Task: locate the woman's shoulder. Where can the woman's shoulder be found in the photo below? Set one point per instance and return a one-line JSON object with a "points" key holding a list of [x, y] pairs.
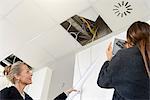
{"points": [[28, 97], [4, 92], [10, 93], [7, 89], [4, 89], [128, 51]]}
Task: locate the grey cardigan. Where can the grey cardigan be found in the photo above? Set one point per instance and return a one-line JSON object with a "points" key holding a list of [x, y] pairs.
{"points": [[126, 73]]}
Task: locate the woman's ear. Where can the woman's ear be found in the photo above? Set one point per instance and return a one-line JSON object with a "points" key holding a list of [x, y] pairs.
{"points": [[17, 77]]}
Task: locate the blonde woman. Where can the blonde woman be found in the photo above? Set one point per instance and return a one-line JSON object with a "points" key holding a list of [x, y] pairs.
{"points": [[20, 75]]}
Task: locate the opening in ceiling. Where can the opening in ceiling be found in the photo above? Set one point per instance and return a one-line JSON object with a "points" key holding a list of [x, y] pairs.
{"points": [[85, 30], [8, 61]]}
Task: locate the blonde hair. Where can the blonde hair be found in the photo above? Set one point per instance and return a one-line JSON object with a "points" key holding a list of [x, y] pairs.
{"points": [[12, 70]]}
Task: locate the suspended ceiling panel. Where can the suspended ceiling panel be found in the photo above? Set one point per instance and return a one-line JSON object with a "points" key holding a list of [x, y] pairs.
{"points": [[147, 3], [30, 18], [3, 53], [89, 13], [0, 17], [38, 22], [92, 1], [34, 55], [7, 5], [57, 42], [60, 10], [112, 11], [11, 37]]}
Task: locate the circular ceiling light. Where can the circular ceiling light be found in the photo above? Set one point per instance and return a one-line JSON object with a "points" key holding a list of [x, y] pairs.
{"points": [[122, 9]]}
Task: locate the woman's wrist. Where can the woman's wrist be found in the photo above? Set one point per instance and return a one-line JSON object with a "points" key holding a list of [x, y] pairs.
{"points": [[66, 93]]}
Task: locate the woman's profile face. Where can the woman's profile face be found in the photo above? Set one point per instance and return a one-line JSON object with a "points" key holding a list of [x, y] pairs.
{"points": [[25, 76]]}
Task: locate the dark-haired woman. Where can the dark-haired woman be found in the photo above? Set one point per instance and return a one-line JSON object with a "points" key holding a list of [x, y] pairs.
{"points": [[128, 72]]}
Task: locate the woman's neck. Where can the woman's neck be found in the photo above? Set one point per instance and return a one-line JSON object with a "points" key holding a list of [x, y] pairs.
{"points": [[20, 88]]}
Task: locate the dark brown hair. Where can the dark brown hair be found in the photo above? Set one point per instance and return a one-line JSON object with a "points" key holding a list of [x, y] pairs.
{"points": [[139, 34]]}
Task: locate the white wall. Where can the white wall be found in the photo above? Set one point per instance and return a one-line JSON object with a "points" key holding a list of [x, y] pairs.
{"points": [[62, 76], [38, 90], [4, 82]]}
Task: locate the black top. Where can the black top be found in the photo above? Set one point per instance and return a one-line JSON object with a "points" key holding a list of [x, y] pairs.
{"points": [[62, 96], [11, 93], [126, 73]]}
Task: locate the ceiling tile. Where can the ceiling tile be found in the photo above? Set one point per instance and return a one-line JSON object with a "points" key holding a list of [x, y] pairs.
{"points": [[4, 53], [93, 1], [1, 17], [11, 37], [89, 13], [147, 3], [58, 42], [105, 9], [61, 10], [34, 55], [30, 18], [7, 5]]}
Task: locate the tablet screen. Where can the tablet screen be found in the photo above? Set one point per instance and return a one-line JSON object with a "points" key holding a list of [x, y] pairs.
{"points": [[117, 45]]}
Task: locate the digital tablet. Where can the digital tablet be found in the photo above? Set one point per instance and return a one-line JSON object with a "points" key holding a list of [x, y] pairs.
{"points": [[117, 45]]}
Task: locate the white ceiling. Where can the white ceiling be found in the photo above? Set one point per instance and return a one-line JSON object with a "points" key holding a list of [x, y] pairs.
{"points": [[31, 28]]}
